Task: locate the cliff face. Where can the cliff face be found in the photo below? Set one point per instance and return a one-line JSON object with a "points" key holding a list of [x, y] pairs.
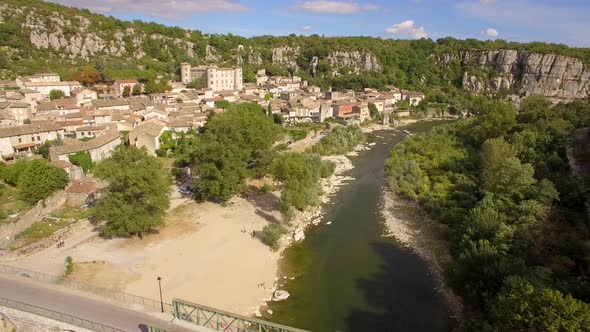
{"points": [[35, 34], [524, 73], [75, 36]]}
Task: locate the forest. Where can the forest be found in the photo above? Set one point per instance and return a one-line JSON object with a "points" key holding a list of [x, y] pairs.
{"points": [[501, 185], [156, 49]]}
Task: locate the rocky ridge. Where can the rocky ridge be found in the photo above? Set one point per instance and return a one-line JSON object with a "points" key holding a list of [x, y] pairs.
{"points": [[523, 73]]}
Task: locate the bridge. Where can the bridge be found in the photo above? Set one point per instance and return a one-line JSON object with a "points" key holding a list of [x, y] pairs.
{"points": [[105, 310]]}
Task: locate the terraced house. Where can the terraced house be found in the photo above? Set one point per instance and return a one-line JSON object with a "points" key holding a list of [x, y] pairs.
{"points": [[20, 140]]}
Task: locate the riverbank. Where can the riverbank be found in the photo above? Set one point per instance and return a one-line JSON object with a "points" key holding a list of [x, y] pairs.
{"points": [[407, 222], [205, 253]]}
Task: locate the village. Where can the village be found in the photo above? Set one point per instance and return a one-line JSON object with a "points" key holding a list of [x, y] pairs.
{"points": [[72, 125], [95, 119]]}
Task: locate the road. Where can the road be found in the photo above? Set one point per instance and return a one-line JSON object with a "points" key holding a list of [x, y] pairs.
{"points": [[54, 298]]}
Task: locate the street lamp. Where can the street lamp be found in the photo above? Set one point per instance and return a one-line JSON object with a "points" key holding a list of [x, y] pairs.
{"points": [[161, 300]]}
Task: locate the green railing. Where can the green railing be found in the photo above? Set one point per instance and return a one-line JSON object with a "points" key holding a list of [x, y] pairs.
{"points": [[224, 321], [58, 316]]}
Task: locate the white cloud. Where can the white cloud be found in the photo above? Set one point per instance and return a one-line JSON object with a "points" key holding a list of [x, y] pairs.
{"points": [[489, 33], [333, 7], [407, 27], [548, 21], [307, 27], [167, 9]]}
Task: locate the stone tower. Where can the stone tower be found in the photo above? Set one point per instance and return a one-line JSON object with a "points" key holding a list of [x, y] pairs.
{"points": [[185, 72], [238, 83]]}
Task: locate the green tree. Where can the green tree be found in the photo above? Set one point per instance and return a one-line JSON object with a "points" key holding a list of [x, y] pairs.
{"points": [[153, 87], [222, 104], [136, 91], [199, 83], [56, 94], [277, 118], [82, 159], [138, 193], [12, 173], [39, 180], [521, 306], [235, 145], [126, 91], [373, 110], [494, 152]]}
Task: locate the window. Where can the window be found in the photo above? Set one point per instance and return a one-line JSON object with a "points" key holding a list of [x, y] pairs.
{"points": [[20, 140], [38, 138], [32, 138], [89, 133]]}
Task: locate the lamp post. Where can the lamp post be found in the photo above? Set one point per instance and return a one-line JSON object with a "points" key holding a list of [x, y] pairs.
{"points": [[161, 300]]}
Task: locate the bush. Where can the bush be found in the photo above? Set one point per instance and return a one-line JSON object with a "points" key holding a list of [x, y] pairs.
{"points": [[40, 180], [297, 134], [56, 94], [266, 188], [69, 265], [327, 168], [82, 159], [271, 235], [12, 173], [339, 141]]}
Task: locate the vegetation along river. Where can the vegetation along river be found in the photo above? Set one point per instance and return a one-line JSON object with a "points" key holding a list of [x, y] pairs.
{"points": [[348, 277]]}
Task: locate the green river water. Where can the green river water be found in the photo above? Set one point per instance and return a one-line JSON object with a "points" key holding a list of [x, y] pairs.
{"points": [[348, 277]]}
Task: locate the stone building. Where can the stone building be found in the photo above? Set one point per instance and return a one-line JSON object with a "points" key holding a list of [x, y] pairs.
{"points": [[218, 79]]}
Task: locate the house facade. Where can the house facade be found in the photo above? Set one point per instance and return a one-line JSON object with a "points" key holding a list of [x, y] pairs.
{"points": [[218, 79], [99, 148], [22, 139]]}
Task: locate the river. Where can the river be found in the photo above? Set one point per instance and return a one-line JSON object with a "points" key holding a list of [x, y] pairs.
{"points": [[348, 277]]}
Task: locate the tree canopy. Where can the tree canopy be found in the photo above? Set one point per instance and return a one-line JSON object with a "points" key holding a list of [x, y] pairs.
{"points": [[138, 193], [38, 180], [515, 211], [234, 145], [56, 94]]}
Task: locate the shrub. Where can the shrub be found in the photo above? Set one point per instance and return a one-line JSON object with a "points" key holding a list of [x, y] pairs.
{"points": [[327, 168], [266, 188], [82, 159], [40, 180], [69, 265], [339, 141], [271, 235]]}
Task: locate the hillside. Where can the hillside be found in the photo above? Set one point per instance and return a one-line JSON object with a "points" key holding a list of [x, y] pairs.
{"points": [[39, 36]]}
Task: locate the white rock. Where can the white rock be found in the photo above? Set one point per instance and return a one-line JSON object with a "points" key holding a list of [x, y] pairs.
{"points": [[280, 295], [298, 235]]}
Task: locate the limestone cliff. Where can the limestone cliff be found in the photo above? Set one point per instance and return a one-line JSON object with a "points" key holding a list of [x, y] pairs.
{"points": [[523, 73], [75, 36]]}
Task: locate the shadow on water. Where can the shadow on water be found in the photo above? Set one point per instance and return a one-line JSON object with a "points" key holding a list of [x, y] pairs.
{"points": [[384, 290]]}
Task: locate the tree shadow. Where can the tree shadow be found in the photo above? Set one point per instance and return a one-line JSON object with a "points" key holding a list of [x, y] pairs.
{"points": [[267, 202], [403, 277], [267, 216]]}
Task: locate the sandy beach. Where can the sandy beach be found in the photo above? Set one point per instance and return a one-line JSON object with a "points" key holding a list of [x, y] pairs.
{"points": [[205, 253]]}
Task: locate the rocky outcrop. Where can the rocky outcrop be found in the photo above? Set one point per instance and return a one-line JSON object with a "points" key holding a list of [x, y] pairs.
{"points": [[524, 73], [76, 36], [285, 56], [354, 61], [211, 54]]}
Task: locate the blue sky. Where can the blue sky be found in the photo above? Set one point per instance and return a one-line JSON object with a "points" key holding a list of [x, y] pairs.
{"points": [[566, 21]]}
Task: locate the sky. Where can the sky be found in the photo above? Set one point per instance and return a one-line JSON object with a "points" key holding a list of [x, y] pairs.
{"points": [[556, 21]]}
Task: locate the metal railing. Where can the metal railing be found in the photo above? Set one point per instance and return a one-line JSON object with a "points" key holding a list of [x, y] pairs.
{"points": [[59, 316], [224, 321], [103, 292]]}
